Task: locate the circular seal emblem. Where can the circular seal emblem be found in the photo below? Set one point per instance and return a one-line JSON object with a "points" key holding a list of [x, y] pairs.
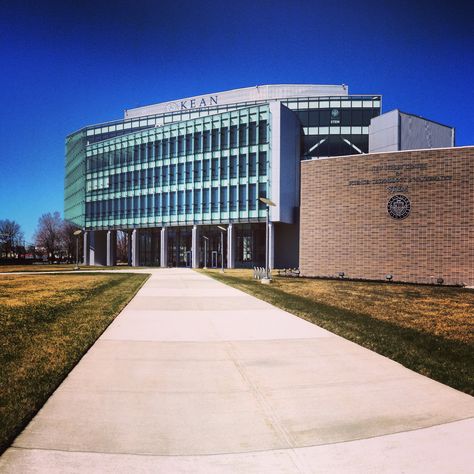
{"points": [[399, 206], [335, 113], [172, 106]]}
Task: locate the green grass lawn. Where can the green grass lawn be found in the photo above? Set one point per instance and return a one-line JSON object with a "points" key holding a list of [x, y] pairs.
{"points": [[429, 329], [47, 322]]}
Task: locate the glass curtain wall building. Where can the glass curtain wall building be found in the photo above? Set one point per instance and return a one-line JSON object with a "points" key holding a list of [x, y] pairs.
{"points": [[171, 173]]}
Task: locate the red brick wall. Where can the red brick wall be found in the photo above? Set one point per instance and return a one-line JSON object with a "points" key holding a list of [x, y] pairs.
{"points": [[345, 225]]}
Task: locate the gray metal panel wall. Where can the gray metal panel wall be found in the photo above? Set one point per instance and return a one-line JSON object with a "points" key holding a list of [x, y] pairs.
{"points": [[384, 132], [417, 133]]}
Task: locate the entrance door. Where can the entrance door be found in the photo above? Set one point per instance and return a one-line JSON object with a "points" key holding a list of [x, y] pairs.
{"points": [[189, 259], [214, 259]]}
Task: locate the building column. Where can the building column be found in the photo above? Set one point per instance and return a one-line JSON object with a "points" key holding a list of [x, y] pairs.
{"points": [[129, 248], [231, 246], [134, 249], [85, 248], [111, 248], [91, 248], [271, 245], [164, 247], [195, 247]]}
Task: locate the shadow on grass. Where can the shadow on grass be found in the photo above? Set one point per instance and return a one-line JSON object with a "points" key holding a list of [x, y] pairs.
{"points": [[447, 361]]}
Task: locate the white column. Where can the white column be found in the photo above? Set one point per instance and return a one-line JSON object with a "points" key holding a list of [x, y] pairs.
{"points": [[231, 246], [134, 239], [85, 248], [195, 247], [271, 248], [91, 249], [111, 247], [164, 247]]}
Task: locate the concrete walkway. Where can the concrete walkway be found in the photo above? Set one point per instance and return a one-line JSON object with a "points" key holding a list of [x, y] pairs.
{"points": [[194, 376]]}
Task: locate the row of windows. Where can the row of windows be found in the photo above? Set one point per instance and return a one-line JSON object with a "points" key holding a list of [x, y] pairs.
{"points": [[191, 143], [224, 199], [342, 117], [190, 172]]}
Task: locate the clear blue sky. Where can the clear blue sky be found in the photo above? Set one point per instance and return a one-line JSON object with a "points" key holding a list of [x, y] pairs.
{"points": [[69, 64]]}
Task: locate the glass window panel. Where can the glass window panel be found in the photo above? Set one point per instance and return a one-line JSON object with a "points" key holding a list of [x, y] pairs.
{"points": [[262, 163], [242, 166], [242, 197], [233, 166], [233, 198], [224, 203], [224, 173], [252, 197], [252, 164]]}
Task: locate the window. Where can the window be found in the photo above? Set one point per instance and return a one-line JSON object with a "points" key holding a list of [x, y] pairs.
{"points": [[253, 133], [172, 169], [189, 201], [157, 176], [180, 202], [215, 139], [262, 132], [233, 198], [197, 142], [157, 150], [157, 204], [164, 148], [173, 146], [205, 200], [224, 138], [262, 192], [215, 168], [180, 173], [242, 166], [197, 200], [189, 144], [242, 197], [164, 204], [252, 197], [242, 134], [233, 136], [205, 170], [215, 199], [165, 175], [253, 164], [150, 177], [233, 166], [189, 172], [223, 199], [207, 140], [136, 206], [224, 167], [197, 170], [262, 163], [172, 203]]}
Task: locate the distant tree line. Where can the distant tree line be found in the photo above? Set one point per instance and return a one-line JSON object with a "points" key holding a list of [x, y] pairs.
{"points": [[54, 240]]}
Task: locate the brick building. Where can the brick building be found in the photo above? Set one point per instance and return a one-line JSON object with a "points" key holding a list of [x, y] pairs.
{"points": [[404, 214]]}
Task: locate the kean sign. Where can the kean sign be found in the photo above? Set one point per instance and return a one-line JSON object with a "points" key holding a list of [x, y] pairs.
{"points": [[189, 104]]}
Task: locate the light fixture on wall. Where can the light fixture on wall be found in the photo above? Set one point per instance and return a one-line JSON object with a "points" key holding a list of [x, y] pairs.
{"points": [[389, 277], [440, 281]]}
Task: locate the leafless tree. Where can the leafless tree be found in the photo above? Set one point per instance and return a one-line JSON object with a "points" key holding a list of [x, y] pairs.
{"points": [[122, 244], [11, 237], [48, 233], [68, 240]]}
